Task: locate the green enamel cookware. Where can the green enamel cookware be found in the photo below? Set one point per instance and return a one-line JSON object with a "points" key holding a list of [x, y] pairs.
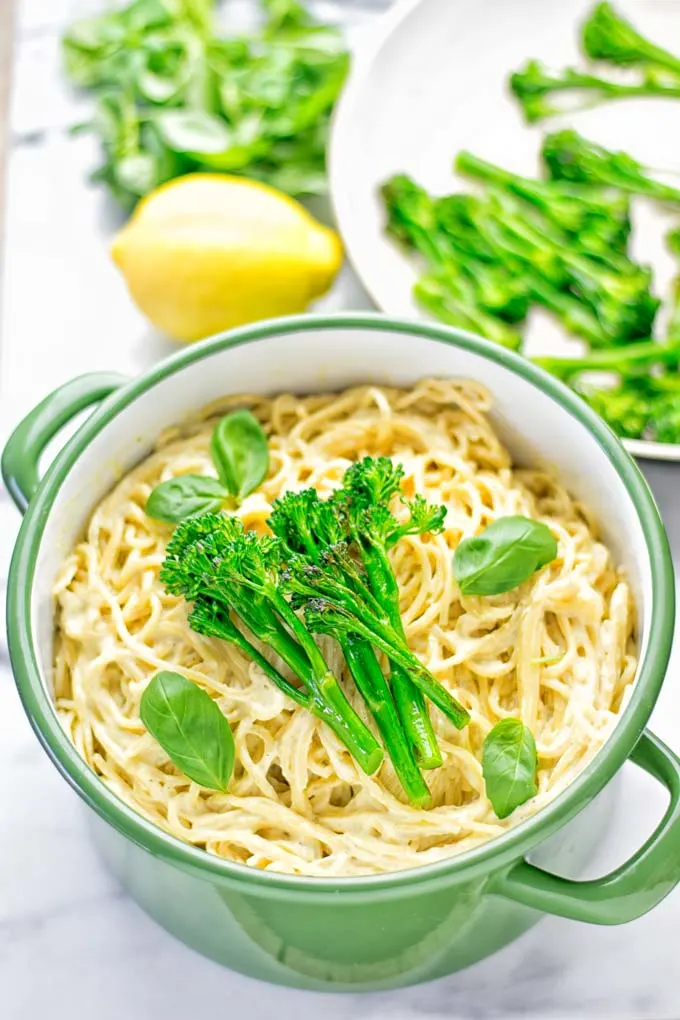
{"points": [[376, 931]]}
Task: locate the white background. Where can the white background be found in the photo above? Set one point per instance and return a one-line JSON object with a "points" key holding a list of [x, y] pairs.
{"points": [[73, 946]]}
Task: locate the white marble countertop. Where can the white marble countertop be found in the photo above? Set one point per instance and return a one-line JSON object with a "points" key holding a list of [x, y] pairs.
{"points": [[72, 944]]}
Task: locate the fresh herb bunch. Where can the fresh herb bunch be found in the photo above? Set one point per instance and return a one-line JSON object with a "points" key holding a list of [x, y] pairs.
{"points": [[605, 37], [173, 96]]}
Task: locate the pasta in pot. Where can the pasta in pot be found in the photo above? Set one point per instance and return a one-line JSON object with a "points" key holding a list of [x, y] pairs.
{"points": [[558, 652]]}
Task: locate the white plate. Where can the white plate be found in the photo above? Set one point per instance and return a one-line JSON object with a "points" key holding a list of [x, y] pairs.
{"points": [[431, 80]]}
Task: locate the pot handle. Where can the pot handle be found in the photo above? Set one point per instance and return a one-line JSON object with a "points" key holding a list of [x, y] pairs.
{"points": [[24, 448], [631, 889]]}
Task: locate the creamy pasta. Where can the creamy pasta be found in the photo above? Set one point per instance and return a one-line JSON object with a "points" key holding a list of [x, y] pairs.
{"points": [[558, 652]]}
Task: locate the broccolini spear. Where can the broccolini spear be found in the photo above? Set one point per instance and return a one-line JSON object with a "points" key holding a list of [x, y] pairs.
{"points": [[368, 488], [336, 601], [606, 35], [640, 405], [625, 361], [644, 408], [570, 157], [475, 226], [598, 218], [214, 563], [618, 303], [616, 289], [453, 302], [309, 527], [534, 83], [459, 289], [413, 220]]}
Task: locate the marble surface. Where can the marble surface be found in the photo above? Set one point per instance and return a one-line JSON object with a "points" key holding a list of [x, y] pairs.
{"points": [[72, 944]]}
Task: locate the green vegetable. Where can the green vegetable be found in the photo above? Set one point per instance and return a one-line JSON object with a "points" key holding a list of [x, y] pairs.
{"points": [[337, 594], [172, 97], [334, 608], [570, 157], [614, 289], [489, 257], [509, 766], [461, 288], [185, 496], [603, 299], [503, 556], [486, 259], [626, 361], [240, 453], [190, 728], [225, 570], [453, 302], [598, 219], [308, 527], [640, 408], [606, 35], [534, 83], [644, 400], [369, 487]]}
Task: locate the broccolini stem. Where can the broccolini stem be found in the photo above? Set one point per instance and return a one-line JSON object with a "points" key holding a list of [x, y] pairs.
{"points": [[226, 630], [328, 694], [575, 317], [375, 691], [618, 359], [409, 700], [415, 718], [392, 644], [266, 626], [473, 166]]}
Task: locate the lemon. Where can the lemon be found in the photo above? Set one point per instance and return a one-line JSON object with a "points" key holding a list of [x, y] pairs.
{"points": [[207, 252]]}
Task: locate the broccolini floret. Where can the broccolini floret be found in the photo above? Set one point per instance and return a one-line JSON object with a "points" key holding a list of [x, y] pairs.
{"points": [[570, 157], [608, 36]]}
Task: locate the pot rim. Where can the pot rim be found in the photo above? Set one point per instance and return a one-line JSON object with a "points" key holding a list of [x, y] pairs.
{"points": [[496, 852]]}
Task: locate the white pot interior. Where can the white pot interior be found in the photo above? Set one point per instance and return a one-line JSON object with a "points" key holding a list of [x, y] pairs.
{"points": [[536, 428]]}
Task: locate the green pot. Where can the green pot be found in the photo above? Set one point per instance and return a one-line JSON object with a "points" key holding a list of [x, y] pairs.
{"points": [[371, 932]]}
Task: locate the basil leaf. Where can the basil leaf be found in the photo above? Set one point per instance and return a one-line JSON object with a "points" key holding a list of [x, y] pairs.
{"points": [[240, 453], [138, 173], [509, 764], [158, 88], [505, 554], [190, 728], [185, 496], [193, 131]]}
